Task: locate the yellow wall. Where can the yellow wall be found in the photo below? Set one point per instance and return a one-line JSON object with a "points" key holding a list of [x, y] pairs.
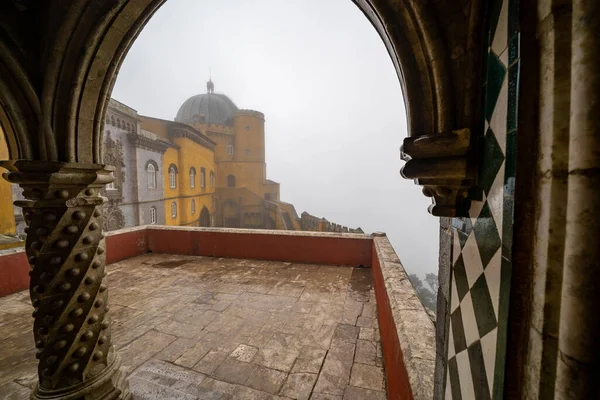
{"points": [[192, 154], [248, 175], [249, 127], [171, 156], [7, 218], [188, 154]]}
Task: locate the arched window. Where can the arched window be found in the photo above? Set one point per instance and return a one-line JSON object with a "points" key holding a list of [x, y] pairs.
{"points": [[193, 206], [192, 177], [172, 176], [152, 215], [173, 210], [151, 172], [111, 185], [230, 181], [202, 178], [212, 179]]}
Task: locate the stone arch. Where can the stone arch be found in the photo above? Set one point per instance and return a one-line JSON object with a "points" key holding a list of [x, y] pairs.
{"points": [[90, 41], [204, 217]]}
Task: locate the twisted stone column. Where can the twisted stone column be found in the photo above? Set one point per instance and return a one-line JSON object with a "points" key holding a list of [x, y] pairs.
{"points": [[66, 250]]}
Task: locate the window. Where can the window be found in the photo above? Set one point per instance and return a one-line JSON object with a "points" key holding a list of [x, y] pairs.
{"points": [[212, 179], [230, 149], [152, 215], [111, 186], [192, 177], [118, 123], [193, 206], [172, 177], [173, 210], [151, 171], [202, 178], [230, 181]]}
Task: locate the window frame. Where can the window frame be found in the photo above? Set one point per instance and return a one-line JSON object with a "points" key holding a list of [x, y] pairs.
{"points": [[173, 210], [193, 206], [212, 179], [172, 177], [112, 185], [153, 215], [151, 171], [192, 177], [230, 149], [202, 178]]}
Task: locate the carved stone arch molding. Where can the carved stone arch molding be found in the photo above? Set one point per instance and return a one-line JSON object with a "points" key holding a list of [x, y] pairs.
{"points": [[53, 100]]}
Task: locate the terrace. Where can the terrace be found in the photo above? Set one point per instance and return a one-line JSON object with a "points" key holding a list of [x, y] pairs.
{"points": [[219, 313]]}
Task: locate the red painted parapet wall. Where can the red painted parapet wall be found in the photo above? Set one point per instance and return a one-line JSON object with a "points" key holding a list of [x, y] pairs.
{"points": [[407, 332], [14, 272], [405, 376], [302, 247]]}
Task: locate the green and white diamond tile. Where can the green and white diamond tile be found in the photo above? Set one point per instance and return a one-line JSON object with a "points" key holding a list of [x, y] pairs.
{"points": [[480, 282]]}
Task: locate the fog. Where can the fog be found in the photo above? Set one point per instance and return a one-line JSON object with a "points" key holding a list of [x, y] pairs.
{"points": [[334, 110]]}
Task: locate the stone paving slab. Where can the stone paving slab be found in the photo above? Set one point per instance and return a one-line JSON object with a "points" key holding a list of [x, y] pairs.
{"points": [[192, 328]]}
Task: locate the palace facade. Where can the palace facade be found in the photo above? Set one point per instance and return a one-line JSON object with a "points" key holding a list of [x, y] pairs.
{"points": [[206, 168]]}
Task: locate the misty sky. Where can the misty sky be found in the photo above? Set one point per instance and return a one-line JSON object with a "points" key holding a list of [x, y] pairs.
{"points": [[333, 105]]}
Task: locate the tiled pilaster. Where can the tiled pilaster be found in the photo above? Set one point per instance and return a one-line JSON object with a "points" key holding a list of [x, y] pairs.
{"points": [[480, 283]]}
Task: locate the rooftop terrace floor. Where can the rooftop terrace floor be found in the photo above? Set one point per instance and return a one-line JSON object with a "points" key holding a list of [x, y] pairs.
{"points": [[190, 327]]}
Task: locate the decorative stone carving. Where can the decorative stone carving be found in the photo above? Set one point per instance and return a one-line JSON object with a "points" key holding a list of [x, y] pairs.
{"points": [[441, 164], [66, 249]]}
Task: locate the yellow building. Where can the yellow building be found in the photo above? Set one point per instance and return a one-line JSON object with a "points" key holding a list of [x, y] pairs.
{"points": [[7, 220], [8, 238], [206, 168], [189, 172]]}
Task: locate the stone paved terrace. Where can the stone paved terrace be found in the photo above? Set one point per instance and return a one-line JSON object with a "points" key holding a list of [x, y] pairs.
{"points": [[191, 327]]}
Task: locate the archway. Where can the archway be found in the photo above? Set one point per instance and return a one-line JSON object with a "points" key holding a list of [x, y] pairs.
{"points": [[204, 217], [54, 118], [231, 181]]}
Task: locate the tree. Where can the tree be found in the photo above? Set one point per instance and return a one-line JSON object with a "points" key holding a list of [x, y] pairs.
{"points": [[427, 296], [432, 281]]}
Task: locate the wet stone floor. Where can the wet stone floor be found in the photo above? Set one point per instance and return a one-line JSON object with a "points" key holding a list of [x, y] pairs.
{"points": [[212, 328]]}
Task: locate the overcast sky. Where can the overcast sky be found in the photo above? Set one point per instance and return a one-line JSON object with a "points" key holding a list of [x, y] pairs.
{"points": [[333, 105]]}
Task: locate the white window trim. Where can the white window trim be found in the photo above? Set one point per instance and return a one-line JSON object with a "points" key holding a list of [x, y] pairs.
{"points": [[152, 215], [151, 174], [172, 178], [173, 210], [193, 206], [192, 178], [230, 149], [111, 186]]}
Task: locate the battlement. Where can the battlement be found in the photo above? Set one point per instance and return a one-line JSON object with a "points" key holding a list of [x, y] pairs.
{"points": [[251, 113]]}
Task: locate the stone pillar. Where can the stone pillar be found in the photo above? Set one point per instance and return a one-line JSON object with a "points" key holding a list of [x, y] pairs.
{"points": [[578, 369], [66, 250]]}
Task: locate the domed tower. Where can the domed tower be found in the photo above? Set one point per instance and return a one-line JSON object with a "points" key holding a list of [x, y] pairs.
{"points": [[207, 108]]}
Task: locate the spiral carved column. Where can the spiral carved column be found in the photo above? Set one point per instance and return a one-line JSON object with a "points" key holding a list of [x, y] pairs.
{"points": [[66, 250]]}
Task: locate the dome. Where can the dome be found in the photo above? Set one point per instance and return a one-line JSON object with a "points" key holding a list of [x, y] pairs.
{"points": [[214, 107]]}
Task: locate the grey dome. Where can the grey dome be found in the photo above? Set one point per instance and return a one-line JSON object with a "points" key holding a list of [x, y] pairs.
{"points": [[216, 108]]}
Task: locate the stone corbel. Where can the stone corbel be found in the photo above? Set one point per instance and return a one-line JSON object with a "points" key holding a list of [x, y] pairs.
{"points": [[441, 164]]}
